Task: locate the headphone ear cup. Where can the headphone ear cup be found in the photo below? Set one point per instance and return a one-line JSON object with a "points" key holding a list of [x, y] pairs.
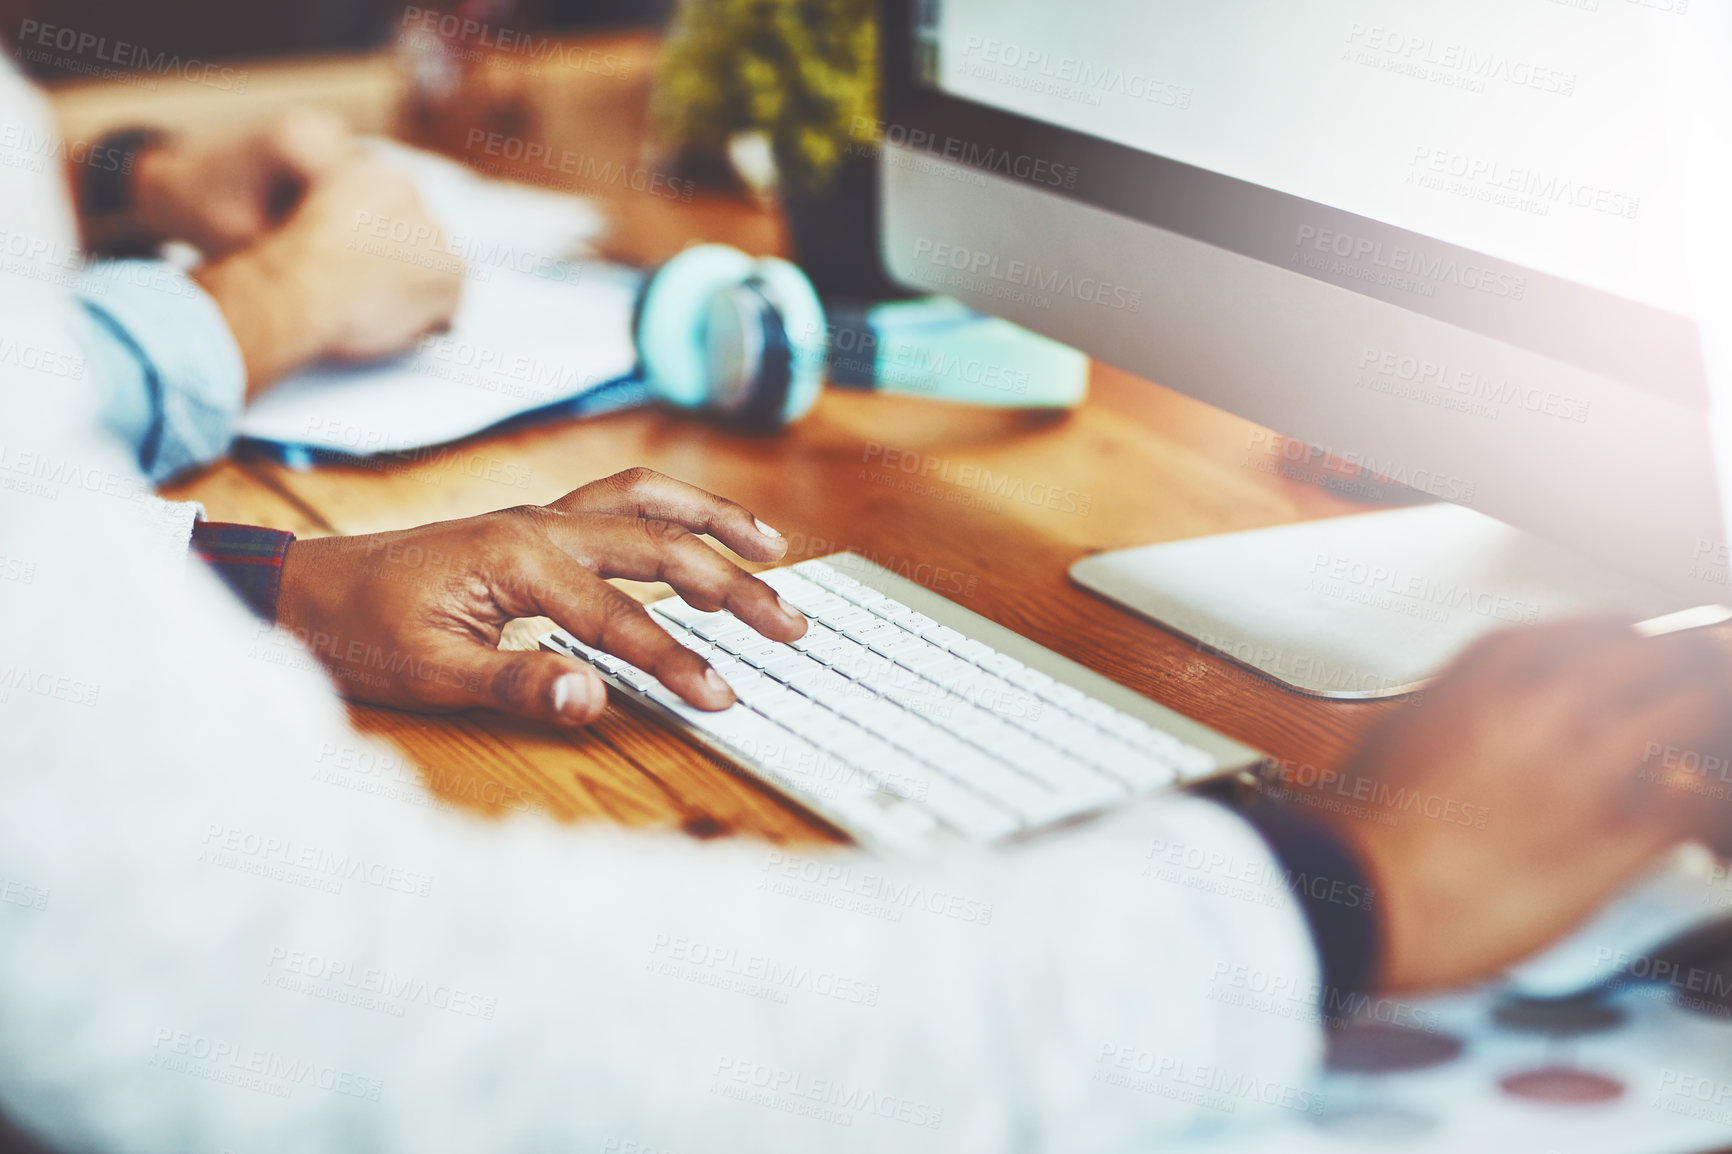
{"points": [[671, 320], [804, 326]]}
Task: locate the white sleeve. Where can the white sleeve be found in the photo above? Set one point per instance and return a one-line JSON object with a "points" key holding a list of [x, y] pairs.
{"points": [[218, 934], [219, 931]]}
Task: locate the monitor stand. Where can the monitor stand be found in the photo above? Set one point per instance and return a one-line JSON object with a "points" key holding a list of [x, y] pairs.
{"points": [[1373, 604]]}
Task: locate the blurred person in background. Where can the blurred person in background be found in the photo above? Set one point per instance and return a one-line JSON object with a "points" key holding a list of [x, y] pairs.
{"points": [[281, 284], [271, 211], [195, 889]]}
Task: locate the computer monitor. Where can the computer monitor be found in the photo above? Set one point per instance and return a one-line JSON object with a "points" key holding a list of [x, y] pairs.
{"points": [[1435, 239]]}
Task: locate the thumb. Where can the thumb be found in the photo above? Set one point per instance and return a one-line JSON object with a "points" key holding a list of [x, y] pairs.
{"points": [[539, 685]]}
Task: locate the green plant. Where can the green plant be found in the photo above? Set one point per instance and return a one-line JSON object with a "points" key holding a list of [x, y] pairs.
{"points": [[803, 72]]}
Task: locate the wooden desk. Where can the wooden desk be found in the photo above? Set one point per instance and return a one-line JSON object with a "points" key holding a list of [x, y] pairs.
{"points": [[1136, 464]]}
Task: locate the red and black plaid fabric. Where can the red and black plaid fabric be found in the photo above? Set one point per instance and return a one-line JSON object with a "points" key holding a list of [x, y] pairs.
{"points": [[248, 559]]}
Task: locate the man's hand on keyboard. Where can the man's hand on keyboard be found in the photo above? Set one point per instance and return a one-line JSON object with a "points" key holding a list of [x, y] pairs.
{"points": [[412, 619], [1529, 786]]}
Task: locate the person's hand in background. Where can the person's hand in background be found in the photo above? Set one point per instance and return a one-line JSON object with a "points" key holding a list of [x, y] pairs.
{"points": [[222, 193], [1537, 748], [357, 271], [412, 619]]}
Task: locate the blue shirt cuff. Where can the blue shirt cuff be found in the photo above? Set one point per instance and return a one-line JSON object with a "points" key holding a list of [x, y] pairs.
{"points": [[174, 378]]}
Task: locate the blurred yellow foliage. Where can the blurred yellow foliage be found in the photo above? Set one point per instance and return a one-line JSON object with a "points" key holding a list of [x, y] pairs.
{"points": [[804, 72]]}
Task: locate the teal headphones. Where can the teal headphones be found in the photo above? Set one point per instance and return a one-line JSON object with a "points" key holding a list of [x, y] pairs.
{"points": [[738, 336], [746, 339]]}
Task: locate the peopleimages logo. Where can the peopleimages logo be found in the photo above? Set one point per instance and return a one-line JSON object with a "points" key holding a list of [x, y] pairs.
{"points": [[1461, 65], [1020, 165], [1067, 77], [1404, 262], [87, 53], [986, 267]]}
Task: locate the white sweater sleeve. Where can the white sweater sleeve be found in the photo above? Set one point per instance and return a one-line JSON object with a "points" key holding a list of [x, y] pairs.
{"points": [[211, 939]]}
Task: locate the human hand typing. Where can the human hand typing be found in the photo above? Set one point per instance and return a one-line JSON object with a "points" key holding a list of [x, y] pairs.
{"points": [[1547, 734], [412, 619]]}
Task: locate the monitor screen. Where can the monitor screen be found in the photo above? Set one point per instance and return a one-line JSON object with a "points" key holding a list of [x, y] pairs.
{"points": [[1530, 132], [1440, 238]]}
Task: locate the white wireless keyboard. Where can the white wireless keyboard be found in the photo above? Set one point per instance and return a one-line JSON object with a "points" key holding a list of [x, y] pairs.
{"points": [[905, 720]]}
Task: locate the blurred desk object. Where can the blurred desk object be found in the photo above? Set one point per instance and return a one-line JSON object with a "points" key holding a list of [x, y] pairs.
{"points": [[989, 508]]}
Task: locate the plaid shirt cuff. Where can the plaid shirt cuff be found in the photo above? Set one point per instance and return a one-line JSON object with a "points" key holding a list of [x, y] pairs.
{"points": [[248, 559]]}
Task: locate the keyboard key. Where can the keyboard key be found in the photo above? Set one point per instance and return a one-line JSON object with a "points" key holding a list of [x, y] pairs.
{"points": [[1073, 733], [1003, 787], [572, 645], [846, 619], [896, 823], [788, 660], [727, 664], [968, 813], [942, 635], [999, 663], [816, 637], [737, 643], [830, 578], [1099, 712], [1029, 679], [747, 682], [785, 581], [863, 596], [1068, 776], [874, 630], [761, 653], [873, 714], [843, 648], [1125, 726], [819, 603], [897, 643], [1060, 807], [971, 649], [1062, 695], [676, 609], [724, 628], [1137, 768], [814, 570], [1164, 743], [924, 659], [772, 698]]}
